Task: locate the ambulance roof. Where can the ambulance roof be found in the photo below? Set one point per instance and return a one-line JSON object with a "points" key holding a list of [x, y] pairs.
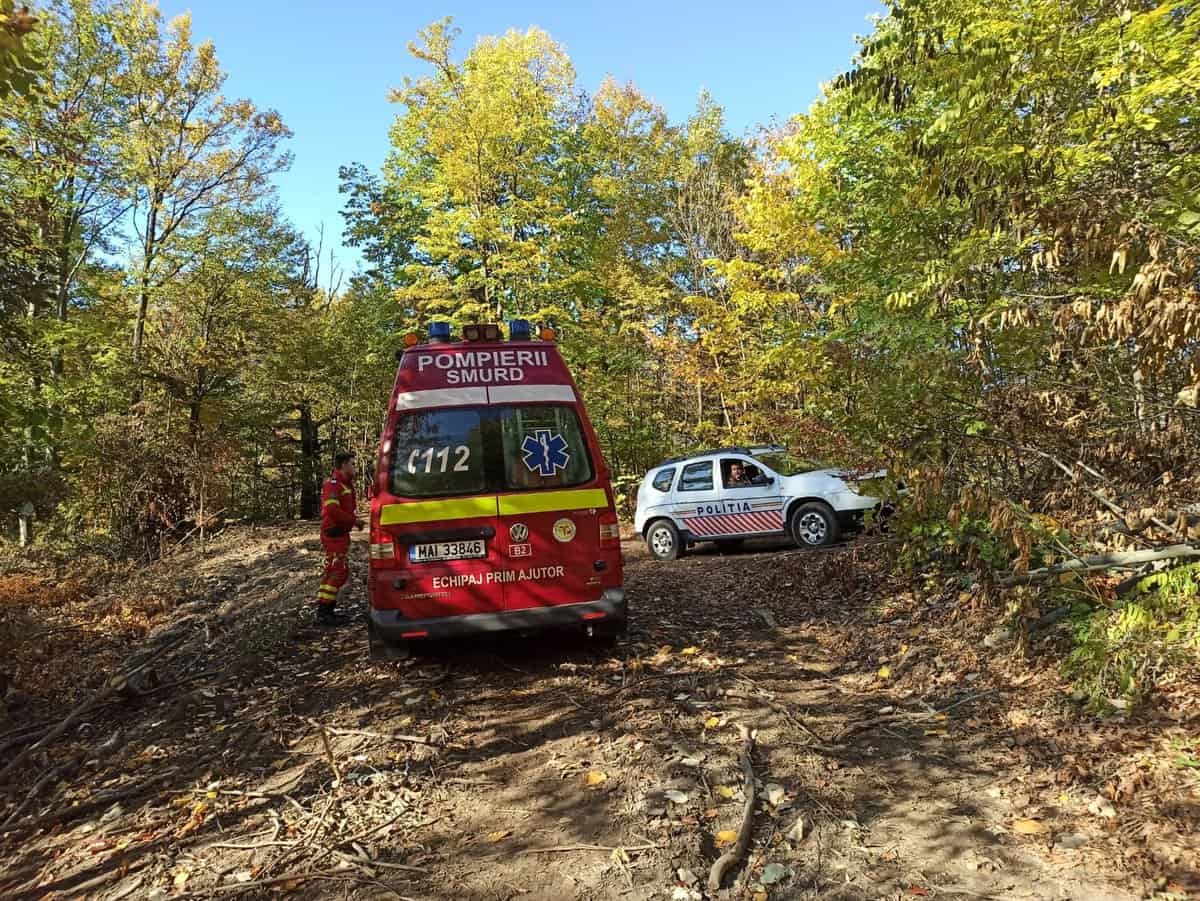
{"points": [[479, 373]]}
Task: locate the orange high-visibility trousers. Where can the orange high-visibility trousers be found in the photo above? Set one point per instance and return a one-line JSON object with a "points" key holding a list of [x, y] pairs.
{"points": [[337, 572]]}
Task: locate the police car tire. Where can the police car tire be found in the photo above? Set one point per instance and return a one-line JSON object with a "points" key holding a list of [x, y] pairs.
{"points": [[805, 529], [669, 545]]}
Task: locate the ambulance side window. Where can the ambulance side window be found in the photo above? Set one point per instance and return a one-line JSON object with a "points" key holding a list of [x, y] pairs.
{"points": [[663, 479], [438, 452], [544, 447], [697, 477]]}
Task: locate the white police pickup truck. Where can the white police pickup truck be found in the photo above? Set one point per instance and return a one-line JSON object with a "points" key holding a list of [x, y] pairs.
{"points": [[735, 493]]}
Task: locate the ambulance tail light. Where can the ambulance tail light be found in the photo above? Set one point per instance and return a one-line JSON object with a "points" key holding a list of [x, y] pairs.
{"points": [[610, 529], [383, 549], [489, 332]]}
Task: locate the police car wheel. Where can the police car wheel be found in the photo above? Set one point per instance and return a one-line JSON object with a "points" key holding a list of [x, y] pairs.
{"points": [[814, 525], [662, 539]]}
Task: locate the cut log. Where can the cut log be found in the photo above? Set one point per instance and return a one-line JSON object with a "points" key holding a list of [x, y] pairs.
{"points": [[1100, 562]]}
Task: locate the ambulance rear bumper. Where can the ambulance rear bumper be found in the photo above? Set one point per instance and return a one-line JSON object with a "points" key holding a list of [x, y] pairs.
{"points": [[606, 613]]}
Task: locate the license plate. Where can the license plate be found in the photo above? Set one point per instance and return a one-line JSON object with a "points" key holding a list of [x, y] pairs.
{"points": [[446, 550]]}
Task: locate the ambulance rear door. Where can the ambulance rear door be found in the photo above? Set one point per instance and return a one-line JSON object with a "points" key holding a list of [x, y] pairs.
{"points": [[443, 516], [550, 508]]}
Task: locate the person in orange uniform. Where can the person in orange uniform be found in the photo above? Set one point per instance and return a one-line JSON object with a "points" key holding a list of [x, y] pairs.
{"points": [[339, 514]]}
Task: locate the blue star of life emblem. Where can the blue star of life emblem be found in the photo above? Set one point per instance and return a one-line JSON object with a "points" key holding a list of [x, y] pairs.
{"points": [[545, 453]]}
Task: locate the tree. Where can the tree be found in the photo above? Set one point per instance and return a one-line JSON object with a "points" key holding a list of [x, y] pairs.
{"points": [[62, 177], [188, 149], [479, 148]]}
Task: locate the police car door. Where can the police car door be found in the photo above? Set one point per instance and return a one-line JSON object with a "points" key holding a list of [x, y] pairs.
{"points": [[697, 501], [753, 506]]}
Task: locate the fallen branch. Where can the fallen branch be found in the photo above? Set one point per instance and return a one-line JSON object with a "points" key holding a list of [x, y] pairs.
{"points": [[793, 720], [363, 860], [388, 736], [111, 687], [561, 849], [1071, 474], [1100, 562], [98, 802], [274, 880], [23, 737], [324, 730], [358, 836], [915, 716], [734, 855], [33, 793]]}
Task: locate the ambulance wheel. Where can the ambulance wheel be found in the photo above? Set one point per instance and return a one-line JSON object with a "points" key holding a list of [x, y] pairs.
{"points": [[611, 634], [662, 539], [385, 650], [813, 525]]}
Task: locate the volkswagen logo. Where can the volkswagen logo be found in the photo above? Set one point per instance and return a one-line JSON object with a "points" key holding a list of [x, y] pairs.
{"points": [[518, 533]]}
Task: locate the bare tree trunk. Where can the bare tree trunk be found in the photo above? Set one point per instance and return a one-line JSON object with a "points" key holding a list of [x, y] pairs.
{"points": [[149, 249], [310, 453]]}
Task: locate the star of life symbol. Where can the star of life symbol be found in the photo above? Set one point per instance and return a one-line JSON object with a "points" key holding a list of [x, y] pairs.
{"points": [[545, 453]]}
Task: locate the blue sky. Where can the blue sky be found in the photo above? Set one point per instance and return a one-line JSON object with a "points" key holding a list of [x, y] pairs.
{"points": [[327, 67]]}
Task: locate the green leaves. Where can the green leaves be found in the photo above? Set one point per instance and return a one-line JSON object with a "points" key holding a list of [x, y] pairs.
{"points": [[19, 65]]}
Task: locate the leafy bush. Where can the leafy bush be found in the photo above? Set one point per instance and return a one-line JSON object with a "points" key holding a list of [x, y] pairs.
{"points": [[1124, 652]]}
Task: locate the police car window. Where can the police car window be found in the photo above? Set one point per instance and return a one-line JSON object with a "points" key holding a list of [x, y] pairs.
{"points": [[438, 452], [663, 479], [697, 477], [740, 474], [544, 447]]}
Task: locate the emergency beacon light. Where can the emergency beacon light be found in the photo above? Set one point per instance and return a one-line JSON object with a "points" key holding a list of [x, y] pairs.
{"points": [[519, 330], [489, 332], [439, 332]]}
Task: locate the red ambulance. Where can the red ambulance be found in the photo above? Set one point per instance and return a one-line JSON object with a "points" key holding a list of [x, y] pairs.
{"points": [[492, 508]]}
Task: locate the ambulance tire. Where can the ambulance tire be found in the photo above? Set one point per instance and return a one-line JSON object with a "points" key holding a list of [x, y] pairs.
{"points": [[813, 525], [662, 540], [385, 650], [610, 634]]}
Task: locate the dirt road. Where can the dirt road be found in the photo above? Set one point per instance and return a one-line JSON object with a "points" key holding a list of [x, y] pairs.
{"points": [[897, 755]]}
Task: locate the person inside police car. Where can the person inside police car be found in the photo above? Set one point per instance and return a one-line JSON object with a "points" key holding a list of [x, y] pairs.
{"points": [[737, 477], [743, 476]]}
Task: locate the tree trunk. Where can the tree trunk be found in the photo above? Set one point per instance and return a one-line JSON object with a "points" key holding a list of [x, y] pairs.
{"points": [[139, 324], [148, 253], [310, 461]]}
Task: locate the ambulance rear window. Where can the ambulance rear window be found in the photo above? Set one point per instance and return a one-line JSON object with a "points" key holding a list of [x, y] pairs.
{"points": [[479, 450], [544, 447], [439, 452]]}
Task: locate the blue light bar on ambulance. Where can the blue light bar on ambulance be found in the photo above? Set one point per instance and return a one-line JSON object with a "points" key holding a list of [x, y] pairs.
{"points": [[519, 330], [439, 332]]}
